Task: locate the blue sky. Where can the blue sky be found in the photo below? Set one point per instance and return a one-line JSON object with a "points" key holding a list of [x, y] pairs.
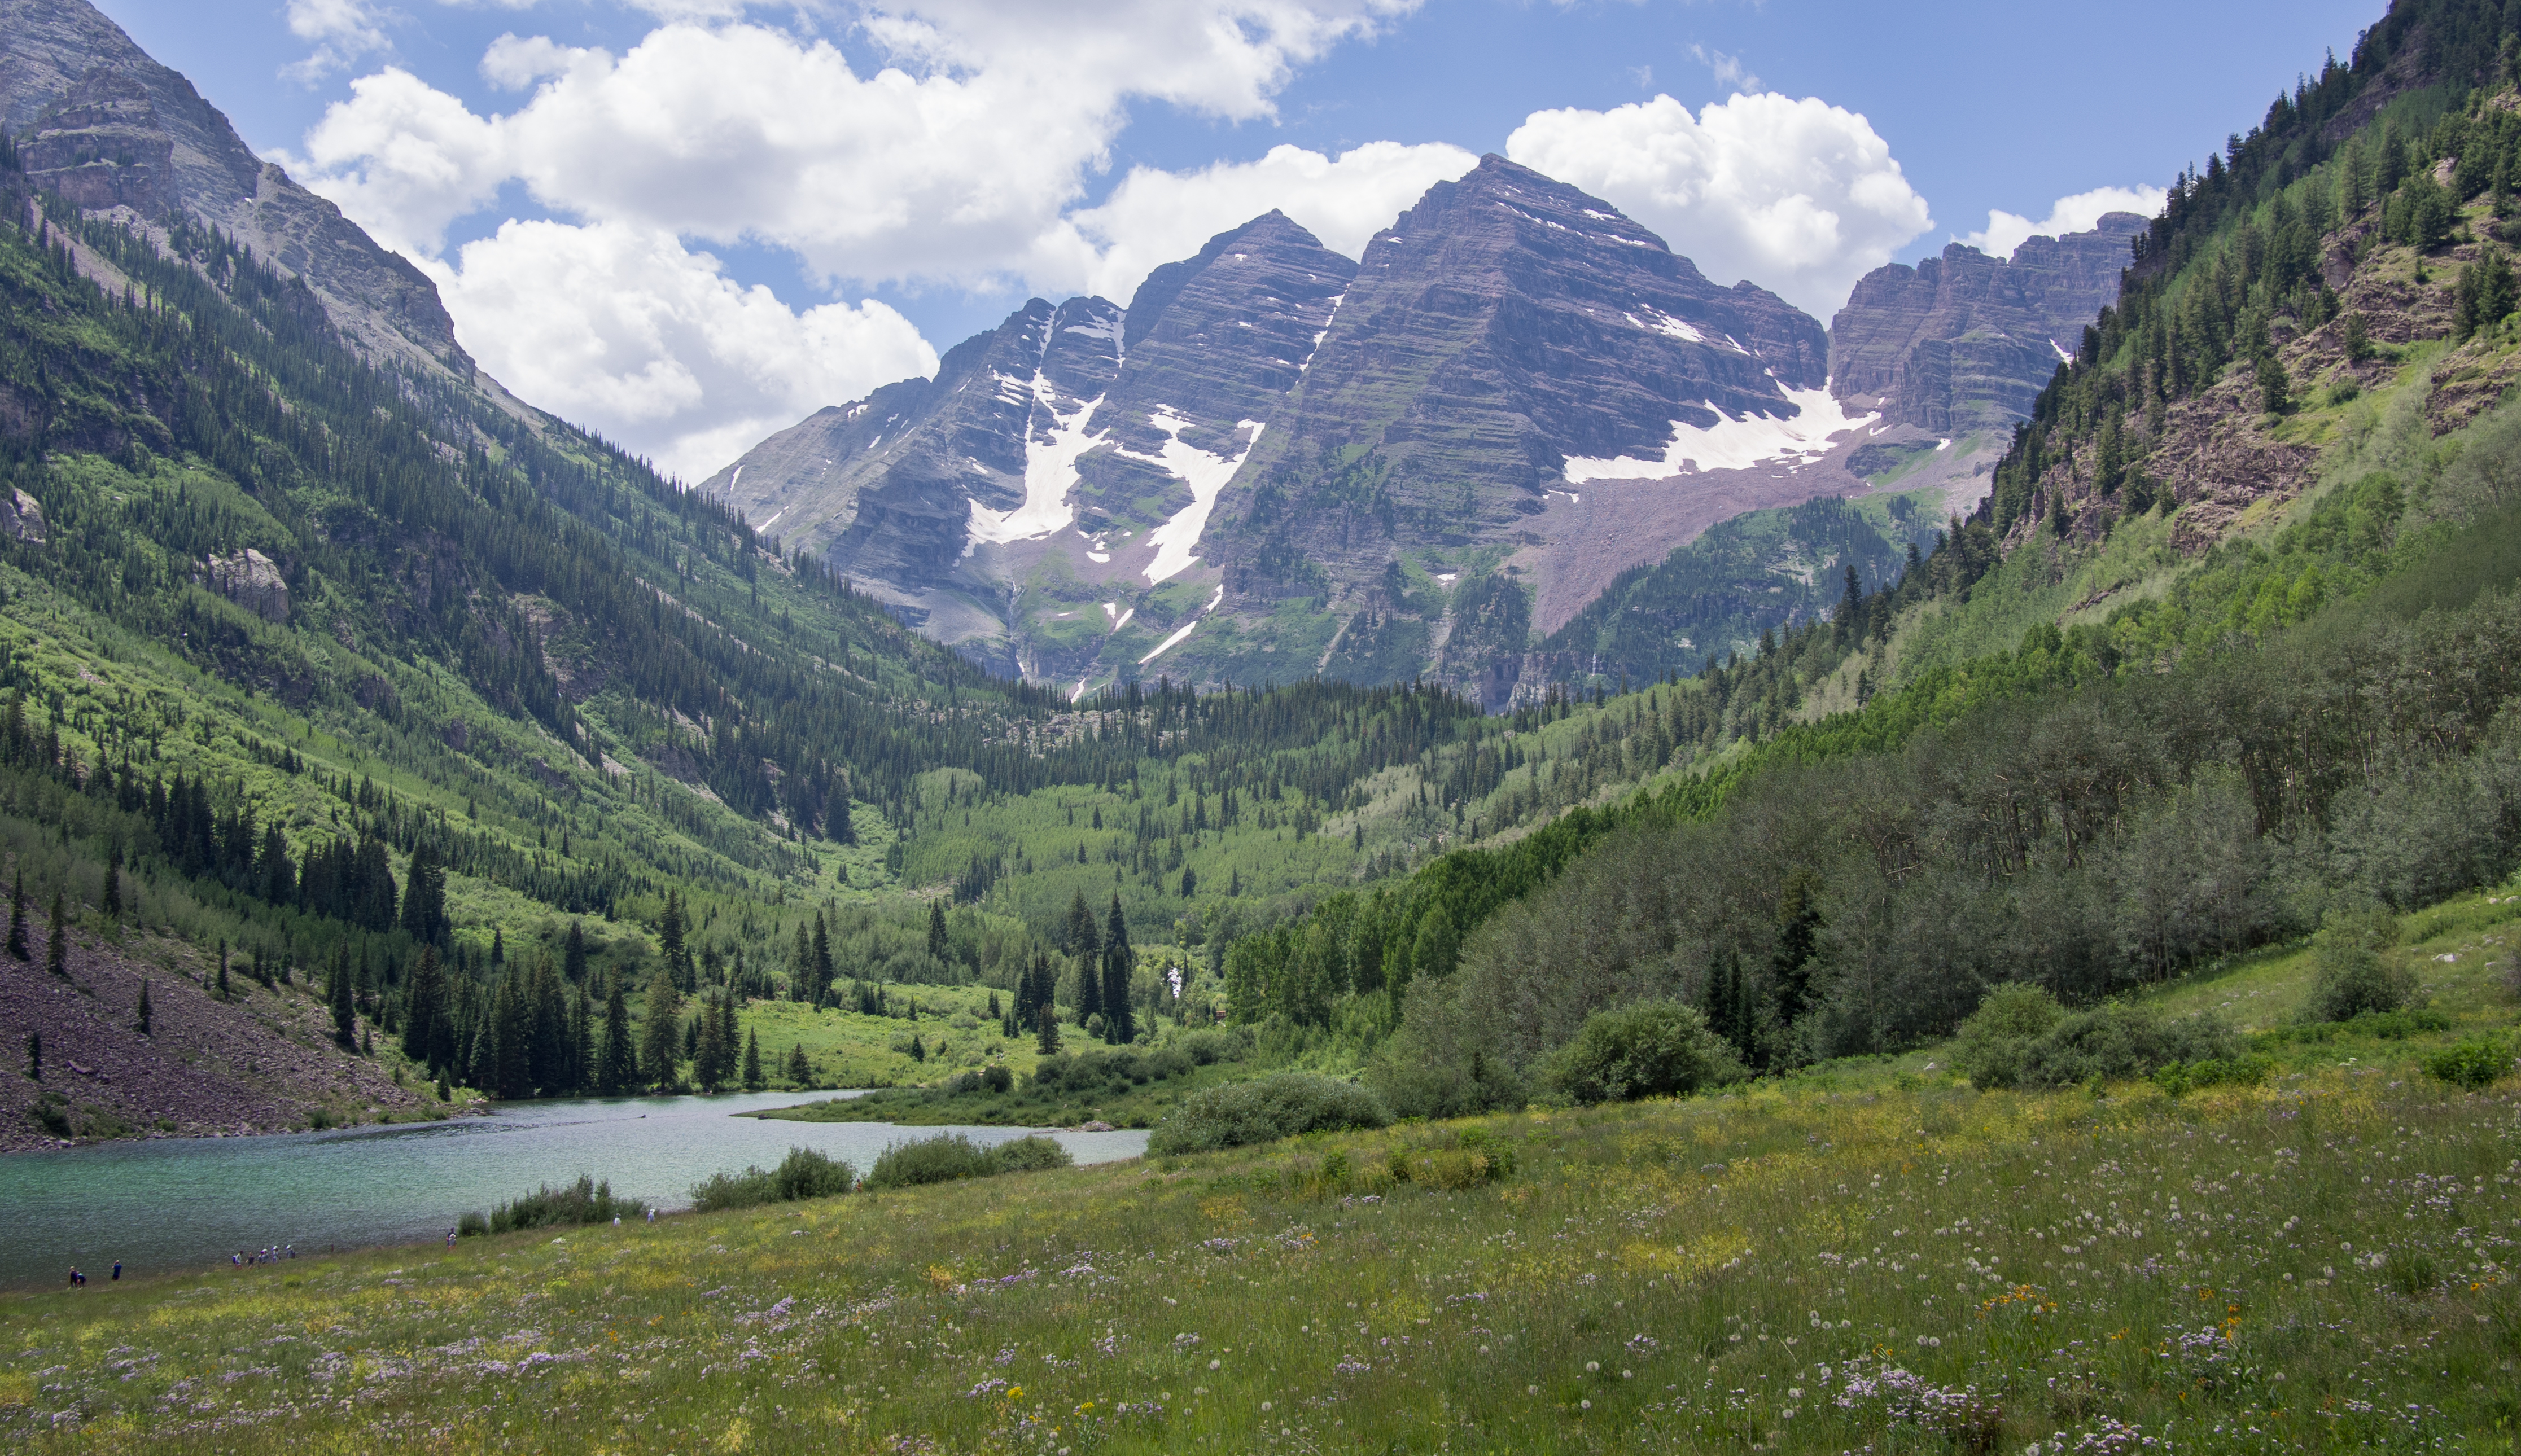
{"points": [[688, 236]]}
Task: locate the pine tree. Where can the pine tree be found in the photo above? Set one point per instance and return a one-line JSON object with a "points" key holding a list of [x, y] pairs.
{"points": [[710, 1054], [113, 885], [753, 1081], [57, 947], [581, 1041], [345, 1015], [616, 1068], [512, 1023], [670, 942], [424, 1005], [18, 916], [498, 948], [1046, 1034], [918, 1049], [661, 1032], [1118, 964], [823, 960], [801, 971], [799, 1070], [142, 1008], [573, 955], [937, 930]]}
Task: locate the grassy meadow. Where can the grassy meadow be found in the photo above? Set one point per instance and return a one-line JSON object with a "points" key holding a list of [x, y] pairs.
{"points": [[1867, 1255]]}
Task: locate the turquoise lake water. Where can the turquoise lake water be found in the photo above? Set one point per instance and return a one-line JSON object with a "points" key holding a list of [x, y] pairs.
{"points": [[174, 1204]]}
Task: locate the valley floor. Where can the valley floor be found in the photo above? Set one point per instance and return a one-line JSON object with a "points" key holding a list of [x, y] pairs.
{"points": [[1872, 1256]]}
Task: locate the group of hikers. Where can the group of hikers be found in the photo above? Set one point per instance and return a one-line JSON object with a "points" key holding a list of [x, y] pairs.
{"points": [[79, 1279], [271, 1254]]}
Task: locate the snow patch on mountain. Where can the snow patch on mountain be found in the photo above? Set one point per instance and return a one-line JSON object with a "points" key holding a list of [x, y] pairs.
{"points": [[1734, 444], [1178, 539], [1050, 475]]}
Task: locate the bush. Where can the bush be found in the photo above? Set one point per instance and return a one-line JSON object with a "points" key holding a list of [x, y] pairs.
{"points": [[582, 1201], [1998, 1036], [803, 1174], [2474, 1064], [2020, 1037], [942, 1159], [2182, 1077], [1029, 1154], [1209, 1047], [2351, 976], [1651, 1049], [1454, 1161], [1263, 1111], [997, 1078]]}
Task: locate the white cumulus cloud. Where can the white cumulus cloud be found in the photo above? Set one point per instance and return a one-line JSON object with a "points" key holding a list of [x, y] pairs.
{"points": [[623, 329], [958, 163], [340, 32], [2079, 214], [1800, 197]]}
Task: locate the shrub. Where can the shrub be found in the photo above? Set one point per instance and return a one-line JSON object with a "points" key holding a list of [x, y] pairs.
{"points": [[2182, 1077], [1998, 1036], [2117, 1042], [1263, 1111], [997, 1078], [1029, 1155], [2474, 1064], [2351, 976], [2020, 1037], [582, 1201], [1454, 1161], [1651, 1049], [803, 1174], [942, 1159], [1209, 1047]]}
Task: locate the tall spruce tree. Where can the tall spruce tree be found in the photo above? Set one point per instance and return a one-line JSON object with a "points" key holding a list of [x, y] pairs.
{"points": [[346, 1014], [423, 1005], [512, 1021], [753, 1081], [937, 943], [661, 1029], [801, 968], [1118, 1028], [799, 1070], [18, 916], [823, 966], [113, 885], [710, 1053], [573, 955], [581, 1040], [617, 1067]]}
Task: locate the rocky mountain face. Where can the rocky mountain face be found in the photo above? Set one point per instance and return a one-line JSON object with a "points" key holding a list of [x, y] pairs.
{"points": [[1275, 463], [1068, 460], [1964, 342], [112, 130]]}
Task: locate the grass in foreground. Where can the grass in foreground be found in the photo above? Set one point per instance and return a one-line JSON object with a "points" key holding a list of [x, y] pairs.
{"points": [[2323, 1261]]}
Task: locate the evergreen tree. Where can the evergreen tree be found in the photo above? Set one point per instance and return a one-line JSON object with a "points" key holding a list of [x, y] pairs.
{"points": [[424, 898], [550, 1045], [823, 966], [710, 1054], [113, 870], [936, 929], [223, 970], [753, 1081], [1046, 1034], [512, 1036], [918, 1049], [141, 1011], [727, 1029], [581, 1040], [616, 1068], [573, 955], [801, 968], [1118, 964], [18, 916], [498, 948], [669, 942], [799, 1070], [57, 947], [661, 1032], [423, 1005], [346, 1016]]}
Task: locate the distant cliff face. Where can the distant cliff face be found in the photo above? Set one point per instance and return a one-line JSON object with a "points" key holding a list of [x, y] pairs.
{"points": [[1275, 463], [110, 128], [1966, 341], [1068, 459]]}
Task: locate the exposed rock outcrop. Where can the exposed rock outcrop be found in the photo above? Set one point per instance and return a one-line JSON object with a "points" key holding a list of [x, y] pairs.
{"points": [[22, 516], [1966, 341], [111, 129], [252, 580]]}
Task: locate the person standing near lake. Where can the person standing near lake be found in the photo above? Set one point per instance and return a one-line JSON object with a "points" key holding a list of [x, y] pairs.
{"points": [[117, 1271]]}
